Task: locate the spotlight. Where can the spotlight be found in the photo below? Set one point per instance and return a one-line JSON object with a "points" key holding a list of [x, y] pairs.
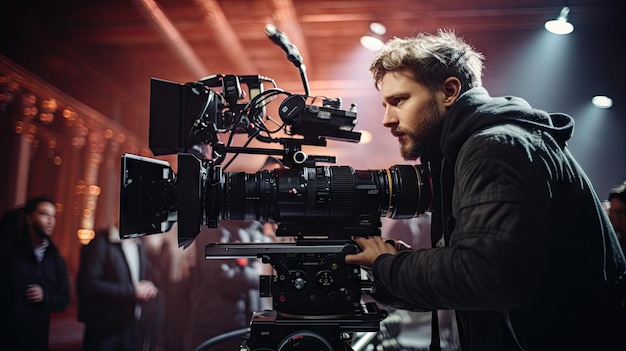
{"points": [[560, 25], [371, 43], [378, 28], [374, 42], [601, 101]]}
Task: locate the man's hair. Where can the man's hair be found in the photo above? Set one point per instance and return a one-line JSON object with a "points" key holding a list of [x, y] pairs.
{"points": [[31, 204], [432, 59], [618, 192]]}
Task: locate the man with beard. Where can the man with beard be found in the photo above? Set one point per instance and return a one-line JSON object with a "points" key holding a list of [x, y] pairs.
{"points": [[522, 249], [34, 279]]}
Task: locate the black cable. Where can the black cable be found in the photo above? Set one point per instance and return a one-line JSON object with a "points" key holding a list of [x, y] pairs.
{"points": [[221, 338]]}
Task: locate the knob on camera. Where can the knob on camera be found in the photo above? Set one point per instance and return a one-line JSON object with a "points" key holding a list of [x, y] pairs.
{"points": [[291, 109]]}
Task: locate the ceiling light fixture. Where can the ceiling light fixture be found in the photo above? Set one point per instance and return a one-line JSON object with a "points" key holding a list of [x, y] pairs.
{"points": [[374, 42], [560, 25], [371, 43], [601, 101], [378, 28]]}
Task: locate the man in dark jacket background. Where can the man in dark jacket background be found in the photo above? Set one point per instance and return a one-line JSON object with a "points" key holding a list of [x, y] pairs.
{"points": [[34, 278], [525, 254], [114, 293]]}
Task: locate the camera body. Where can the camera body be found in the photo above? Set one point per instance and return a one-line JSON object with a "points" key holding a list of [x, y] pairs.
{"points": [[317, 298]]}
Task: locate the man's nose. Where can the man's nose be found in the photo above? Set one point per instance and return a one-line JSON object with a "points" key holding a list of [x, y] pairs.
{"points": [[389, 118]]}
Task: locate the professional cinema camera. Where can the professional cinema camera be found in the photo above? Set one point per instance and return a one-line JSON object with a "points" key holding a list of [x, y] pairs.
{"points": [[317, 298]]}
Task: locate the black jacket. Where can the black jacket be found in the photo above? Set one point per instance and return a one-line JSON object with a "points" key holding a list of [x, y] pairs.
{"points": [[530, 259], [106, 293], [26, 325]]}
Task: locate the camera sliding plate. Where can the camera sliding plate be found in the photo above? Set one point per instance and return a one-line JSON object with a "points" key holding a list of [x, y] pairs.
{"points": [[226, 250]]}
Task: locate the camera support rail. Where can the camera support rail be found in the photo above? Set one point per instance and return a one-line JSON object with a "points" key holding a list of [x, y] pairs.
{"points": [[291, 153]]}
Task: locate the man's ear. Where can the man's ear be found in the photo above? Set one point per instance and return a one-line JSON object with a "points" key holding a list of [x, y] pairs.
{"points": [[451, 88]]}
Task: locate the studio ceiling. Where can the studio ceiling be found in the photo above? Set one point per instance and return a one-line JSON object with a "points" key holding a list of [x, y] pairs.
{"points": [[103, 53]]}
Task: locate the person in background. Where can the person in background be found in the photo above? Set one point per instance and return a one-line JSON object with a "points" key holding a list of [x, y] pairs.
{"points": [[617, 212], [115, 293], [224, 292], [526, 256], [34, 277]]}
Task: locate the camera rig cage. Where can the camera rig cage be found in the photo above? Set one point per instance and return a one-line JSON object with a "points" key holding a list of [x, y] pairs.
{"points": [[317, 297]]}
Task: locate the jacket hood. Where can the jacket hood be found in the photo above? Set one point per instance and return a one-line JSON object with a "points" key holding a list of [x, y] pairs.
{"points": [[476, 110]]}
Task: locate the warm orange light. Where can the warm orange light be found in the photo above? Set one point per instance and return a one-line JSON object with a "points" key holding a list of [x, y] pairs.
{"points": [[46, 118], [85, 235], [94, 190], [19, 127], [50, 104]]}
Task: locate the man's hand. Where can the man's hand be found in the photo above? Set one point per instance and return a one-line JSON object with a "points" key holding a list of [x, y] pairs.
{"points": [[371, 248], [34, 293], [145, 291]]}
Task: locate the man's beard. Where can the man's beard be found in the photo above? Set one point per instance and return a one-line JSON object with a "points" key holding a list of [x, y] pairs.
{"points": [[423, 139]]}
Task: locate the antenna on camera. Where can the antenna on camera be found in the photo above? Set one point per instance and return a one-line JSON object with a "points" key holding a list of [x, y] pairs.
{"points": [[279, 38]]}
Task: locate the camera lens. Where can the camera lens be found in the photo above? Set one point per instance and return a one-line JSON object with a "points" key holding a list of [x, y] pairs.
{"points": [[326, 200], [408, 190]]}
